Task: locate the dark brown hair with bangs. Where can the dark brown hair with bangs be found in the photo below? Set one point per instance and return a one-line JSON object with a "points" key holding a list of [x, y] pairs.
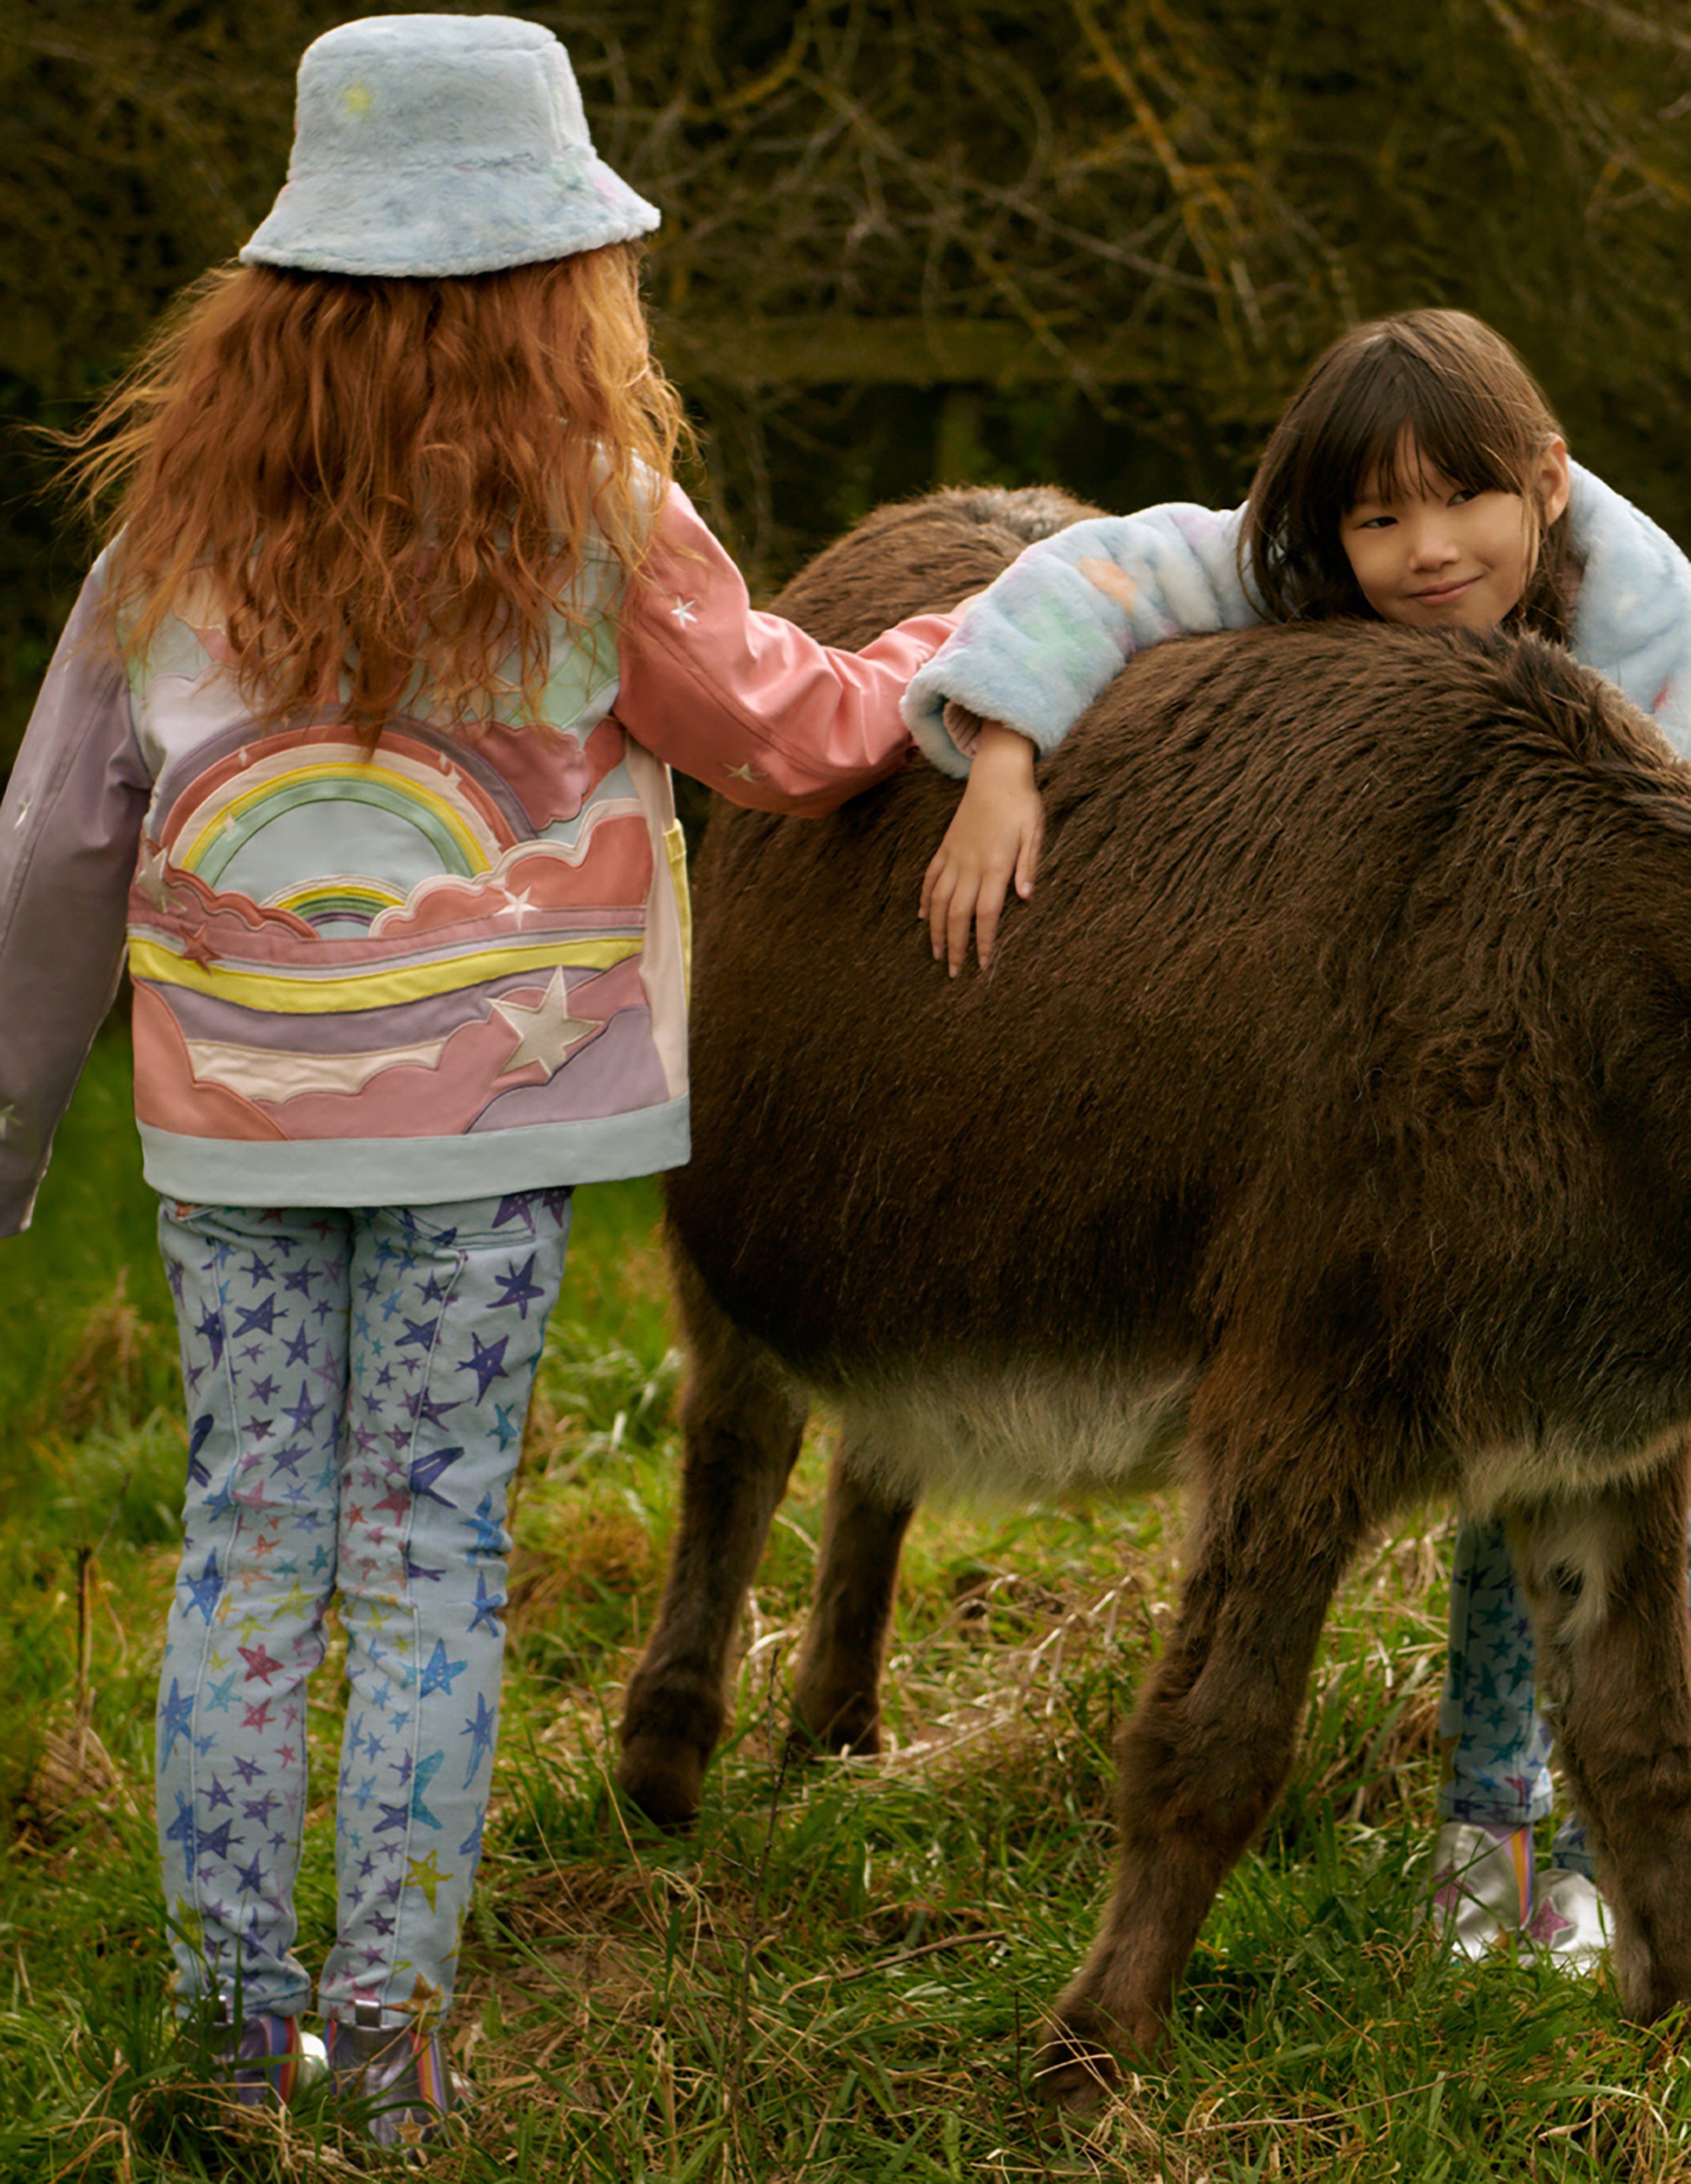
{"points": [[378, 484], [1472, 409]]}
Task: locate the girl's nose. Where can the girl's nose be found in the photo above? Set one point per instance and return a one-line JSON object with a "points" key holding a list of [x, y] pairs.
{"points": [[1432, 546]]}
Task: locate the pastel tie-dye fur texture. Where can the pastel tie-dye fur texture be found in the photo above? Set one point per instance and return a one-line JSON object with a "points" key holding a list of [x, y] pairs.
{"points": [[1049, 637], [442, 144]]}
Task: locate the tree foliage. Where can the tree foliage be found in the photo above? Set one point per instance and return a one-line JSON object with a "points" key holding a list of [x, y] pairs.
{"points": [[1096, 239]]}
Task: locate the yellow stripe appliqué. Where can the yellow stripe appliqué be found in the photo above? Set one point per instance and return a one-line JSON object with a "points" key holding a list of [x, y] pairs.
{"points": [[368, 989]]}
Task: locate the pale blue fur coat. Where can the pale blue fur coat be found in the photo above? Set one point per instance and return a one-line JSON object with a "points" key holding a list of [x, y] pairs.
{"points": [[1051, 634]]}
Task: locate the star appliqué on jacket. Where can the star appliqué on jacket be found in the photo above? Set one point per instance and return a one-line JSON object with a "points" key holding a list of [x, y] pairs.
{"points": [[151, 874], [685, 612], [547, 1032]]}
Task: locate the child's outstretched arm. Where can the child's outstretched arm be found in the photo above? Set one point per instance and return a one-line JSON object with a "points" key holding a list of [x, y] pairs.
{"points": [[1048, 637], [1031, 654], [746, 702], [71, 829]]}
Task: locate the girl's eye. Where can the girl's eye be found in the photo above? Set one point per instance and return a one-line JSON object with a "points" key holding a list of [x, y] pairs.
{"points": [[1465, 494], [1376, 522]]}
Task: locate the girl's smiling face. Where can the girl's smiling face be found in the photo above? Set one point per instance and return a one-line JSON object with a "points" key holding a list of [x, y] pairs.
{"points": [[1432, 553]]}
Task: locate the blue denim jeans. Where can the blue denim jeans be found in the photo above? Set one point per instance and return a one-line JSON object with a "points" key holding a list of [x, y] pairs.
{"points": [[1496, 1736], [357, 1382]]}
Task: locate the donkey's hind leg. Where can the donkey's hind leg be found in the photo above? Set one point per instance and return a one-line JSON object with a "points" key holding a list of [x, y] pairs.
{"points": [[741, 1423], [1604, 1581], [836, 1687]]}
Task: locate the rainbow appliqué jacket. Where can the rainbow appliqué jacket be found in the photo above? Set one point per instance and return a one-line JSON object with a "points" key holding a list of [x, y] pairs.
{"points": [[449, 967]]}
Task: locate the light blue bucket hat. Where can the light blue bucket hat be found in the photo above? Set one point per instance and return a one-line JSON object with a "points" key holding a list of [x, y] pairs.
{"points": [[441, 144]]}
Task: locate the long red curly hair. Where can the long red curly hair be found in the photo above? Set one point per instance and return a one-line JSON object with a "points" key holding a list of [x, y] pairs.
{"points": [[387, 483]]}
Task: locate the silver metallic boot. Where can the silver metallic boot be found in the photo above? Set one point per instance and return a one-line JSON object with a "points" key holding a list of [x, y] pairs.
{"points": [[1483, 1885], [400, 2076]]}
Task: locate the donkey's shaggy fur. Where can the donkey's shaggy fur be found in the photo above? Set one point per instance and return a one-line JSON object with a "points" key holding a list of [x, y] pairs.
{"points": [[1322, 1130]]}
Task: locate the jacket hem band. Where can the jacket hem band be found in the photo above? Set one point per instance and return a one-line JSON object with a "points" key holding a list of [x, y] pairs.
{"points": [[414, 1171]]}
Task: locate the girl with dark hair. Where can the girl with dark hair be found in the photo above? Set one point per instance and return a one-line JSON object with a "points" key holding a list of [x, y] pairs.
{"points": [[1420, 477]]}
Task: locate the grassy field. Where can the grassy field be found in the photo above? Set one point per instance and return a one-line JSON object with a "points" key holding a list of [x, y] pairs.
{"points": [[840, 1975]]}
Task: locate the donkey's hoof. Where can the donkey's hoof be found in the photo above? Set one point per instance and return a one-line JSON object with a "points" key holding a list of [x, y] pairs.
{"points": [[1075, 2073], [1083, 2060], [850, 1731], [666, 1779]]}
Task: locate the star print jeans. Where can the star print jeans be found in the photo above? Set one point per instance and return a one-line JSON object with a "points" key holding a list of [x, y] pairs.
{"points": [[1496, 1735], [356, 1381]]}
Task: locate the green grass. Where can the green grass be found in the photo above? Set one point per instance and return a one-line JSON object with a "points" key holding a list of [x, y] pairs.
{"points": [[840, 1975]]}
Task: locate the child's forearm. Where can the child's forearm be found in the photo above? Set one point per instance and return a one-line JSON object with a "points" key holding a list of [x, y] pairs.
{"points": [[748, 703], [1004, 760]]}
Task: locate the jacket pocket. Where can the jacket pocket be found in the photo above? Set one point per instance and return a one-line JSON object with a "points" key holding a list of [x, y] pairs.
{"points": [[675, 848]]}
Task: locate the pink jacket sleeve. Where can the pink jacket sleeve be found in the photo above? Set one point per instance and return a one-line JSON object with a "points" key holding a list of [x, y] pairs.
{"points": [[746, 702]]}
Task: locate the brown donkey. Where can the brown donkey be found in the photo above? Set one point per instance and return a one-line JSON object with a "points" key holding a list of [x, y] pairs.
{"points": [[1321, 1136]]}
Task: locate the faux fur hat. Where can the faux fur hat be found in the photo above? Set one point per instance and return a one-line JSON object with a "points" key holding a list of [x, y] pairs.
{"points": [[441, 144]]}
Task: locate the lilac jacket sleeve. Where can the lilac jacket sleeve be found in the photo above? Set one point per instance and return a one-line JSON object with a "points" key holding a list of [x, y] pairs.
{"points": [[745, 702], [71, 829], [1053, 631], [1633, 619]]}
